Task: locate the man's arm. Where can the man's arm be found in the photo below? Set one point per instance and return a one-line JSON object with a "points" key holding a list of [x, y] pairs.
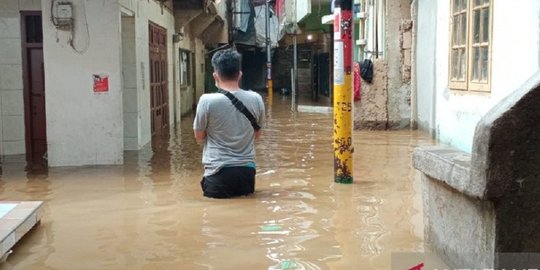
{"points": [[200, 122], [200, 136], [261, 119]]}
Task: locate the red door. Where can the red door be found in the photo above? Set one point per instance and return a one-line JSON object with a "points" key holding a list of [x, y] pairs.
{"points": [[159, 94], [34, 87]]}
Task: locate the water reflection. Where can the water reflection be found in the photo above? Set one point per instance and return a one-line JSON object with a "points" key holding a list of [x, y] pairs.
{"points": [[149, 213]]}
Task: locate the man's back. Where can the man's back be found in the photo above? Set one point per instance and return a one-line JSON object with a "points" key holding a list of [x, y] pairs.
{"points": [[227, 134], [230, 136]]}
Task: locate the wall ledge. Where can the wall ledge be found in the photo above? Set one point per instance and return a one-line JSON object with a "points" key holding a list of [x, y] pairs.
{"points": [[449, 166]]}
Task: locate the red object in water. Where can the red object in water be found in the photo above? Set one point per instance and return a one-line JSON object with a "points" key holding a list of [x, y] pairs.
{"points": [[357, 81]]}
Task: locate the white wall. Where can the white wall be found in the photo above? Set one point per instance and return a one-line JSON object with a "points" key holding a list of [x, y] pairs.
{"points": [[12, 130], [84, 128], [303, 9], [515, 55], [425, 63]]}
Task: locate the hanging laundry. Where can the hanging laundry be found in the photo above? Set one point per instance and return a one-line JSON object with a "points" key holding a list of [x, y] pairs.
{"points": [[242, 14]]}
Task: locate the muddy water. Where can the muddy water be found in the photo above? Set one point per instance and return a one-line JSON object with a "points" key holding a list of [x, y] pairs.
{"points": [[149, 213]]}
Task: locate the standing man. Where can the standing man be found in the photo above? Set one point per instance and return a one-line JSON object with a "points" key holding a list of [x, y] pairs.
{"points": [[227, 124]]}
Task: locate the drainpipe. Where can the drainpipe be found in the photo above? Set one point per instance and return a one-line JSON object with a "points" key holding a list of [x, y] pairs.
{"points": [[294, 72], [174, 82], [414, 101], [343, 98], [434, 134], [230, 21], [268, 54]]}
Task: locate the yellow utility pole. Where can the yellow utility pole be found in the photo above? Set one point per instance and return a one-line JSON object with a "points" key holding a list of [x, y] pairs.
{"points": [[343, 98]]}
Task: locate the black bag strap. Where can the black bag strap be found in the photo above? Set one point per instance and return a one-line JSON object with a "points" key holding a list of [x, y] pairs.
{"points": [[242, 108]]}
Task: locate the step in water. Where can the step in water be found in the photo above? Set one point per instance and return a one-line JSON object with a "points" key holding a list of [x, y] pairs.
{"points": [[16, 220]]}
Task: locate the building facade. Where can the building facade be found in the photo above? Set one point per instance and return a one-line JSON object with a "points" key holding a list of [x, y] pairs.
{"points": [[469, 56], [83, 81], [384, 37], [383, 34]]}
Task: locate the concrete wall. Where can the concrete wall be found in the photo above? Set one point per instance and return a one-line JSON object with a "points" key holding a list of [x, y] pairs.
{"points": [[126, 60], [385, 103], [84, 128], [398, 13], [112, 39], [372, 111], [12, 130], [514, 59]]}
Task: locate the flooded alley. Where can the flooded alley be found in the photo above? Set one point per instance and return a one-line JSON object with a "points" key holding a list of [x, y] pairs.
{"points": [[150, 213]]}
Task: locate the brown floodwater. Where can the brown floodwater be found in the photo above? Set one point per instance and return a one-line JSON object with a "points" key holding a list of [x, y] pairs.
{"points": [[150, 214]]}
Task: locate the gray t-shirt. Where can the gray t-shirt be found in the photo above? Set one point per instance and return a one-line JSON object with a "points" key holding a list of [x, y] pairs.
{"points": [[229, 135]]}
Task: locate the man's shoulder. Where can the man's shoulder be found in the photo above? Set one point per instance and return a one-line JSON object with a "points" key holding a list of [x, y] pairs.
{"points": [[210, 97], [252, 94]]}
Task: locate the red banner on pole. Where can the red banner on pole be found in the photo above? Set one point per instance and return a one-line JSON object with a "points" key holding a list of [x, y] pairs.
{"points": [[346, 36]]}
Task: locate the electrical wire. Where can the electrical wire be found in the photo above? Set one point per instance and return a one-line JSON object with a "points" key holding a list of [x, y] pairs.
{"points": [[71, 27], [72, 37]]}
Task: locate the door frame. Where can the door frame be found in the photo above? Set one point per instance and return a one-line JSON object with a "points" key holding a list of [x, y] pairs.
{"points": [[26, 82], [165, 123], [193, 81]]}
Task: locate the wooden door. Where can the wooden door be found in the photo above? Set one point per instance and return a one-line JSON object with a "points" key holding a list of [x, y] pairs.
{"points": [[159, 94], [34, 87], [305, 87]]}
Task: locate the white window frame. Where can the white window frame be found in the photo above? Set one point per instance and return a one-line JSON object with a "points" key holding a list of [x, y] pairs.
{"points": [[468, 83]]}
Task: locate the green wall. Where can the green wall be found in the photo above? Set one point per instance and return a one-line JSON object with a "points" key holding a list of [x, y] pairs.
{"points": [[312, 22]]}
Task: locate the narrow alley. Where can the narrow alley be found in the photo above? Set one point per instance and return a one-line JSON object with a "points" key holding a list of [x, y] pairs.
{"points": [[399, 135], [156, 217]]}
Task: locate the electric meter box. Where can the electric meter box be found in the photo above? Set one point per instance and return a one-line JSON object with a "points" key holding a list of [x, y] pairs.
{"points": [[64, 14]]}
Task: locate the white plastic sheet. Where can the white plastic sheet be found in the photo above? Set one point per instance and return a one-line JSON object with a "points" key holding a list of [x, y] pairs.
{"points": [[242, 14], [260, 27]]}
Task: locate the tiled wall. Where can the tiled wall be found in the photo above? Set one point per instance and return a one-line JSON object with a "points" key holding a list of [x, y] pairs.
{"points": [[11, 82], [130, 98]]}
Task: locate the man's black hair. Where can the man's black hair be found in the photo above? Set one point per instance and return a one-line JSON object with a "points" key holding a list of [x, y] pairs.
{"points": [[227, 63]]}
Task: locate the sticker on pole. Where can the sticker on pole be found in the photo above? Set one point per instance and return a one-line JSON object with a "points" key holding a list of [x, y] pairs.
{"points": [[337, 23], [338, 63], [268, 71]]}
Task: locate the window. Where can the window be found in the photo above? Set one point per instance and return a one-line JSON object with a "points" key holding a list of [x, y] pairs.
{"points": [[33, 28], [185, 68], [470, 50]]}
